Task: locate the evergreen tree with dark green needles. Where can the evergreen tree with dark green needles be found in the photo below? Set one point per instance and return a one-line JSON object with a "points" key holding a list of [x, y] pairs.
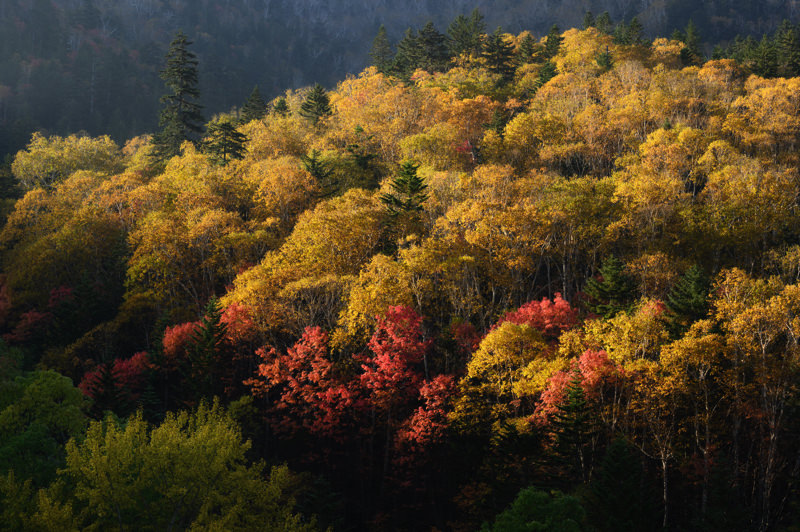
{"points": [[434, 55], [526, 49], [181, 119], [575, 426], [409, 192], [588, 20], [465, 34], [605, 60], [552, 43], [547, 71], [381, 52], [317, 105], [207, 342], [320, 171], [409, 55], [499, 55], [280, 107], [223, 143], [255, 108], [603, 23], [787, 44], [687, 302], [613, 292]]}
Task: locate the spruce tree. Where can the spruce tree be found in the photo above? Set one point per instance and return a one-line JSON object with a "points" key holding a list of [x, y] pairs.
{"points": [[207, 342], [588, 20], [317, 105], [603, 23], [526, 50], [464, 35], [605, 60], [691, 54], [223, 142], [552, 43], [766, 58], [547, 71], [613, 292], [320, 171], [255, 108], [620, 498], [575, 426], [687, 302], [787, 43], [181, 119], [635, 32], [381, 52], [280, 107], [499, 55], [434, 55], [409, 191], [409, 55]]}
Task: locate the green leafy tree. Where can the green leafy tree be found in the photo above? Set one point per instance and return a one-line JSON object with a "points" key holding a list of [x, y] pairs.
{"points": [[317, 105], [223, 143], [465, 34], [39, 413], [255, 108], [613, 292], [181, 118], [381, 52], [536, 510], [499, 55], [190, 472]]}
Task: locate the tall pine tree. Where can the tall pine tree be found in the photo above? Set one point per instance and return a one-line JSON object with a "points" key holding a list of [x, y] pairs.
{"points": [[465, 34], [223, 142], [613, 292], [181, 118]]}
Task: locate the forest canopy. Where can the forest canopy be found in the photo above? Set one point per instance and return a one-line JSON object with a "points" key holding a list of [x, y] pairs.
{"points": [[521, 281]]}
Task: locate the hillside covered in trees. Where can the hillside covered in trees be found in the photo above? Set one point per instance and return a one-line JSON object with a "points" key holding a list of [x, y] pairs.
{"points": [[548, 283], [92, 65]]}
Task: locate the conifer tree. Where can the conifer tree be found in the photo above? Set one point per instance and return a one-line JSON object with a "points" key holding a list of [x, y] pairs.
{"points": [[603, 23], [635, 31], [434, 56], [691, 54], [320, 171], [464, 35], [619, 497], [181, 119], [280, 107], [381, 52], [605, 60], [526, 49], [552, 43], [499, 55], [223, 142], [316, 105], [409, 191], [787, 42], [687, 302], [588, 20], [207, 341], [255, 108], [408, 55], [612, 293], [547, 71], [574, 427], [766, 58]]}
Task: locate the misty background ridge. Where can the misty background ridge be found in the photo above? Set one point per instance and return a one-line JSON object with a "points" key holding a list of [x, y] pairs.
{"points": [[93, 65]]}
